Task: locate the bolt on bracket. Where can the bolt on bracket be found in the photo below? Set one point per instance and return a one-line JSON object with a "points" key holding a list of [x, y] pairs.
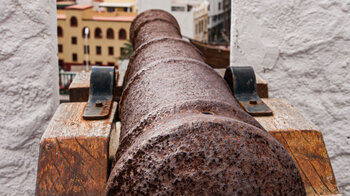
{"points": [[100, 93], [243, 86]]}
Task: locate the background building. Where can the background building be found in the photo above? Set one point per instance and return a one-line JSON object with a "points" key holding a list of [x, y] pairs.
{"points": [[219, 19], [109, 32], [188, 13]]}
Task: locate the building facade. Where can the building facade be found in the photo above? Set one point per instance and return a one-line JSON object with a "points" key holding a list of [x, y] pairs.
{"points": [[201, 21], [219, 20], [190, 14], [105, 43]]}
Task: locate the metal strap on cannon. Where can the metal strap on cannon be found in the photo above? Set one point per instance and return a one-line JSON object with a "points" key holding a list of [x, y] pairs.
{"points": [[242, 82], [101, 93]]}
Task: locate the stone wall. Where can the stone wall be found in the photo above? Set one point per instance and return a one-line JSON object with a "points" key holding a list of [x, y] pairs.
{"points": [[302, 49], [28, 88]]}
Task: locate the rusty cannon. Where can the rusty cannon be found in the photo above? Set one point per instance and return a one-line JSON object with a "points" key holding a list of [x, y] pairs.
{"points": [[183, 129], [183, 133]]}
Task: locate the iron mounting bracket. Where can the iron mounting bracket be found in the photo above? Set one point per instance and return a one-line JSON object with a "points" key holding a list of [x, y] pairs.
{"points": [[243, 86], [100, 93]]}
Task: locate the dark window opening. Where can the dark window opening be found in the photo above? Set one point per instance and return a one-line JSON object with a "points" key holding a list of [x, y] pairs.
{"points": [[60, 63], [110, 64], [73, 22], [75, 57], [177, 8], [74, 40], [122, 34], [59, 31], [98, 63], [98, 50], [110, 9], [110, 33], [60, 48], [98, 33], [110, 51]]}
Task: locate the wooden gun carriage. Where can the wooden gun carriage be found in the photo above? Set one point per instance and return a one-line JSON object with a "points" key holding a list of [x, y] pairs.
{"points": [[78, 149]]}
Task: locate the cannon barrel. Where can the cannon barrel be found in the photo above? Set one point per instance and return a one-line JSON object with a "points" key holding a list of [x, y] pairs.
{"points": [[183, 133]]}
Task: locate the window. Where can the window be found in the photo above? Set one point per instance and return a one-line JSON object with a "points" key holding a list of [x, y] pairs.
{"points": [[128, 9], [110, 51], [74, 40], [110, 64], [98, 50], [86, 49], [73, 22], [196, 28], [75, 57], [98, 33], [83, 32], [110, 33], [60, 48], [219, 5], [122, 34], [189, 8], [60, 63], [178, 8], [110, 9], [98, 63], [59, 31]]}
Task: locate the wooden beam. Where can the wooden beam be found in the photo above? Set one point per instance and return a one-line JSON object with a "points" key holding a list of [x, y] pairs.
{"points": [[79, 88], [74, 153], [304, 143]]}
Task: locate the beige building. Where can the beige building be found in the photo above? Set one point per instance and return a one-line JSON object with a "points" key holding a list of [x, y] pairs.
{"points": [[201, 21], [108, 33]]}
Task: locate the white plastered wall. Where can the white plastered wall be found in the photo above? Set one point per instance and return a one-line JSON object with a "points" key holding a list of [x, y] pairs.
{"points": [[302, 49], [28, 88]]}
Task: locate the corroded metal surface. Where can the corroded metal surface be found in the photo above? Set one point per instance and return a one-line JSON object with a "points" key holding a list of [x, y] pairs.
{"points": [[182, 131]]}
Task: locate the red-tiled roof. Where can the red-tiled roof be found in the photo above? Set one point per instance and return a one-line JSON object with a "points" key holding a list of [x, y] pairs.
{"points": [[61, 16], [114, 18], [78, 7]]}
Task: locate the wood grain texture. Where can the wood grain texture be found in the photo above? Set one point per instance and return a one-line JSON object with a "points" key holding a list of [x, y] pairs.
{"points": [[74, 153], [304, 143], [285, 117], [309, 152], [262, 87], [79, 88]]}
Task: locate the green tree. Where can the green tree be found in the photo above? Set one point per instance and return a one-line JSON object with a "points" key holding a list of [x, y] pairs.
{"points": [[127, 50]]}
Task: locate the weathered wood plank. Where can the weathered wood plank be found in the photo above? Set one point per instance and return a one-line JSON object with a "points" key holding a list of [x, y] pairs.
{"points": [[308, 150], [261, 85], [79, 88], [74, 153], [304, 143], [284, 117]]}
